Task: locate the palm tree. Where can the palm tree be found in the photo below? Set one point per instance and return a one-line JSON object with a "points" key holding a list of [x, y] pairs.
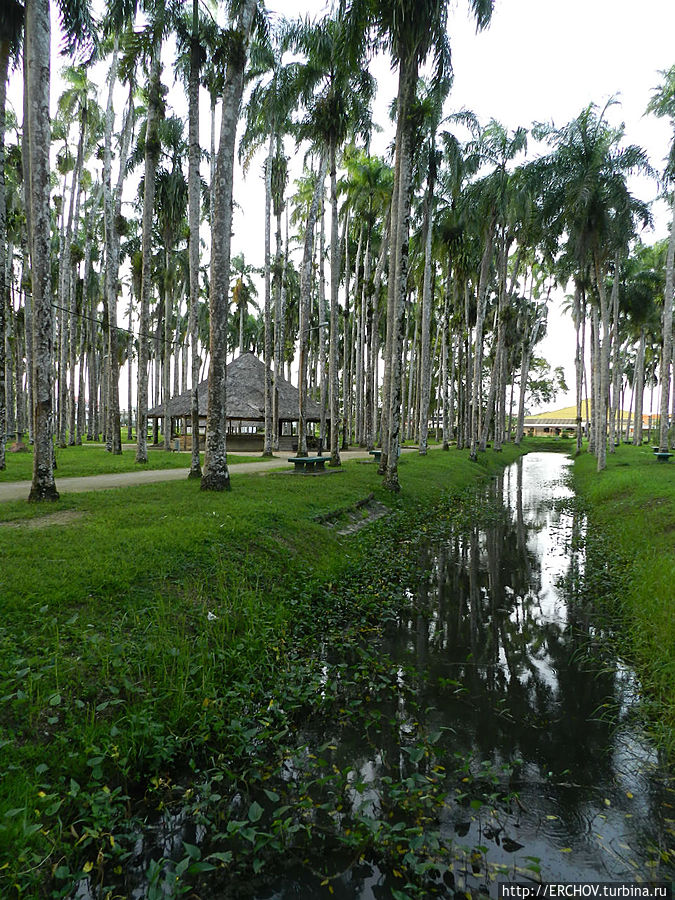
{"points": [[194, 216], [643, 283], [37, 68], [216, 475], [431, 107], [367, 188], [155, 111], [11, 23], [171, 193], [336, 92], [37, 60], [410, 30], [76, 105], [663, 104], [243, 293], [190, 38], [112, 204], [487, 202], [589, 199], [268, 119], [305, 294]]}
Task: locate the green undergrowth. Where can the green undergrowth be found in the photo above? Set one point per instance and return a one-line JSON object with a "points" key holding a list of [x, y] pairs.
{"points": [[631, 512], [92, 459], [146, 633]]}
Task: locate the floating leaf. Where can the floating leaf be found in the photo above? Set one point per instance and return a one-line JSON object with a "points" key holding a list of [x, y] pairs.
{"points": [[511, 846]]}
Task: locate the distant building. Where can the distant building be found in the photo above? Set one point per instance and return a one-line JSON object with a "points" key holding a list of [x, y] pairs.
{"points": [[564, 422]]}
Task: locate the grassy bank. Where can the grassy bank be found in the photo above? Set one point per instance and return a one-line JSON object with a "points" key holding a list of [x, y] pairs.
{"points": [[145, 632], [631, 507]]}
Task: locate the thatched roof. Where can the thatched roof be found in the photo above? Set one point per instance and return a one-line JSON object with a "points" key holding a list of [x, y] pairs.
{"points": [[245, 395]]}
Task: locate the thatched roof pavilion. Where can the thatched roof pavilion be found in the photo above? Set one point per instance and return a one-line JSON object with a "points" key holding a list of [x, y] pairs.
{"points": [[245, 405]]}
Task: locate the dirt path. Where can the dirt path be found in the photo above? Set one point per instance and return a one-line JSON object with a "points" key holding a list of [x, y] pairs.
{"points": [[19, 490]]}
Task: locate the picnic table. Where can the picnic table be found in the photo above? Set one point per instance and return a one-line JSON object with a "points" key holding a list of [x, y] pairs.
{"points": [[308, 463]]}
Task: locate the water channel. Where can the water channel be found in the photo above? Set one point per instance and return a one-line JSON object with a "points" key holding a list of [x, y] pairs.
{"points": [[512, 668], [494, 711]]}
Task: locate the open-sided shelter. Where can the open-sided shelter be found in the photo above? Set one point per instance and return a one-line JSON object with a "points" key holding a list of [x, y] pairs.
{"points": [[245, 403]]}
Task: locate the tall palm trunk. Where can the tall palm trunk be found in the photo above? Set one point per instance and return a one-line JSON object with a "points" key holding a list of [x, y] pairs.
{"points": [[216, 476], [4, 286], [373, 345], [346, 355], [603, 379], [333, 374], [320, 334], [152, 148], [62, 321], [427, 299], [616, 355], [399, 255], [277, 283], [130, 359], [595, 379], [578, 362], [267, 350], [37, 77], [391, 287], [112, 212], [478, 342], [168, 333], [444, 396], [92, 420], [71, 295], [193, 224], [360, 342], [305, 298], [468, 370], [280, 320], [667, 346], [639, 387]]}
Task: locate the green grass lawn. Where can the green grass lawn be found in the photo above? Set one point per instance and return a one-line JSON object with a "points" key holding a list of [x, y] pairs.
{"points": [[134, 634], [92, 459], [141, 634], [631, 505]]}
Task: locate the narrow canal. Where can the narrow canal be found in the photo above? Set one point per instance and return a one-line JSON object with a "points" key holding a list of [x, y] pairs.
{"points": [[518, 693], [490, 734]]}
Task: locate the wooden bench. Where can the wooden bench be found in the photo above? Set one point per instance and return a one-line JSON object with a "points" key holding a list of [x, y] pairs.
{"points": [[308, 463], [376, 454], [662, 457]]}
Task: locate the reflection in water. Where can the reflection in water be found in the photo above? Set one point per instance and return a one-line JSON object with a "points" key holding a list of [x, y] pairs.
{"points": [[501, 620]]}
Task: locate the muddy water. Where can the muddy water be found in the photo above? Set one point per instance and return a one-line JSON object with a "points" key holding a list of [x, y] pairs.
{"points": [[508, 663]]}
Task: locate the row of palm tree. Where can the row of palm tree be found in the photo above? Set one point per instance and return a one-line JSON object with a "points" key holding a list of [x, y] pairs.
{"points": [[446, 254]]}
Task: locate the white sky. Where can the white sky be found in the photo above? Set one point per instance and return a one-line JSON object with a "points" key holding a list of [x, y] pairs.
{"points": [[540, 60]]}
